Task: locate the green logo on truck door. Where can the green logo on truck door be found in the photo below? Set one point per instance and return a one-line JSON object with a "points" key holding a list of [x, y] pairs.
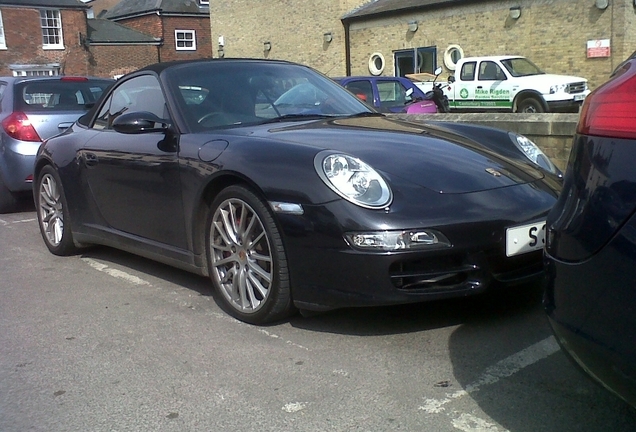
{"points": [[463, 93]]}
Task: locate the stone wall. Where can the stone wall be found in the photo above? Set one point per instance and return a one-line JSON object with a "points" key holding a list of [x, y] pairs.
{"points": [[553, 133]]}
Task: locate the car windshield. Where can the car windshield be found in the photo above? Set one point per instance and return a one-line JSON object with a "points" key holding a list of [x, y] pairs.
{"points": [[221, 94], [519, 67]]}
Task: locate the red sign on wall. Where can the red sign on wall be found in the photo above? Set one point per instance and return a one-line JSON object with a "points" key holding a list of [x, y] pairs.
{"points": [[598, 48]]}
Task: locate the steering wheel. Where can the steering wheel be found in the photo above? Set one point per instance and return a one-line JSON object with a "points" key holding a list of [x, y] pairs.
{"points": [[211, 115]]}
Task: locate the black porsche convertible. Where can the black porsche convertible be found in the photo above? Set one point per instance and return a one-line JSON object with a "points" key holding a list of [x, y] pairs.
{"points": [[290, 193]]}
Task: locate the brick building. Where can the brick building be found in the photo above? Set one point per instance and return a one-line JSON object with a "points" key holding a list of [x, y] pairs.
{"points": [[393, 37], [53, 37], [182, 25], [42, 37]]}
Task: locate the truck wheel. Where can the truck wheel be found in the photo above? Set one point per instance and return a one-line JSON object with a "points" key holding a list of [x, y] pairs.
{"points": [[530, 105]]}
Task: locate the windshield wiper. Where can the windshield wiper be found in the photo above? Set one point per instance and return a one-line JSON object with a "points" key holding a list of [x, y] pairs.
{"points": [[366, 114], [295, 117]]}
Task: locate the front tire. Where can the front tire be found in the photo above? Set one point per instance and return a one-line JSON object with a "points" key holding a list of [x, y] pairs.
{"points": [[246, 258], [530, 105], [53, 214]]}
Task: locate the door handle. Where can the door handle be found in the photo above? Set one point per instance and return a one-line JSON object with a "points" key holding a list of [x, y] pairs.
{"points": [[90, 159], [479, 87], [65, 125]]}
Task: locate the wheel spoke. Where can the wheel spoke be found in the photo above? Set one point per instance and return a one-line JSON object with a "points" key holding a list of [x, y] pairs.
{"points": [[230, 259], [228, 227], [261, 289], [255, 302], [253, 266]]}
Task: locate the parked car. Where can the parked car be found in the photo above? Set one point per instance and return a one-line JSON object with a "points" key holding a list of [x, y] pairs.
{"points": [[389, 94], [623, 63], [510, 84], [31, 110], [591, 240], [192, 164]]}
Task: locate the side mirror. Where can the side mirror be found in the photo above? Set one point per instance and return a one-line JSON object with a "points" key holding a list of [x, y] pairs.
{"points": [[438, 71], [139, 122], [451, 79]]}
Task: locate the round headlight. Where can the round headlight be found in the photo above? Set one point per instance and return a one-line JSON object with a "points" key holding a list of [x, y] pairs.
{"points": [[353, 179]]}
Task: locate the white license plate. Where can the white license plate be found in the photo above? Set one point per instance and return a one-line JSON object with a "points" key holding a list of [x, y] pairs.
{"points": [[579, 97], [525, 238]]}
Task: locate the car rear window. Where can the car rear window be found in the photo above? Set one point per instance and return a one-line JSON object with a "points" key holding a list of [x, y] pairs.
{"points": [[58, 95]]}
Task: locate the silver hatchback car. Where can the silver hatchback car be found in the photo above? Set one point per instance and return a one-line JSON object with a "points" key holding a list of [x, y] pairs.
{"points": [[33, 109]]}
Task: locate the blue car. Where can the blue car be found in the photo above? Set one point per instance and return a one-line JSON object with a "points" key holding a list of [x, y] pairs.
{"points": [[389, 94], [591, 240]]}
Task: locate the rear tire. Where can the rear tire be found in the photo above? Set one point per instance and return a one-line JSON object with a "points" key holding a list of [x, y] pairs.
{"points": [[246, 258], [53, 214]]}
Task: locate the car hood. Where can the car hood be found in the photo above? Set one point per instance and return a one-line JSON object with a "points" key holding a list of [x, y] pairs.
{"points": [[561, 79], [431, 157]]}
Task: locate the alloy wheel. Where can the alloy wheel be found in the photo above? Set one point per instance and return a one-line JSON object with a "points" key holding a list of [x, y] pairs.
{"points": [[241, 256], [50, 208]]}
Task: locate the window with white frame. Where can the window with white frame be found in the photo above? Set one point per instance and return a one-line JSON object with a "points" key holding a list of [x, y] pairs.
{"points": [[51, 23], [3, 42], [185, 40], [204, 2], [35, 70]]}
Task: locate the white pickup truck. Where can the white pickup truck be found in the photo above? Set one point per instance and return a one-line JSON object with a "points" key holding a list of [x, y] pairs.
{"points": [[510, 83]]}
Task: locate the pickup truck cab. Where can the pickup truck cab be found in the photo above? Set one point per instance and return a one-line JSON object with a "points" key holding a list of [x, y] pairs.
{"points": [[388, 94], [512, 84]]}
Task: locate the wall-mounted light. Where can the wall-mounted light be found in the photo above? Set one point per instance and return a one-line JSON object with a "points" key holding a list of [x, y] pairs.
{"points": [[267, 46], [515, 12], [327, 37], [601, 4], [221, 41], [412, 26]]}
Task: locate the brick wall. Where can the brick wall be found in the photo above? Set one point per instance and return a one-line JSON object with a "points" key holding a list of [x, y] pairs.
{"points": [[23, 36], [294, 29], [110, 60], [553, 33], [202, 31], [164, 27]]}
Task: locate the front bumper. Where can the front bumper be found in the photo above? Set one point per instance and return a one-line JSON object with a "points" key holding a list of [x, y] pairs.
{"points": [[327, 273]]}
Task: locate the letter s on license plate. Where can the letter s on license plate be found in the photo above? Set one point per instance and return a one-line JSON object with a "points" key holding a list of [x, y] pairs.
{"points": [[525, 238]]}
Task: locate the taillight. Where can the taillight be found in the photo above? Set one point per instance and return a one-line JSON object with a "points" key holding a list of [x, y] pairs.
{"points": [[609, 110], [18, 126]]}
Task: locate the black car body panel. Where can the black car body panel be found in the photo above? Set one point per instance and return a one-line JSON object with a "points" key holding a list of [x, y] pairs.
{"points": [[148, 193], [590, 252]]}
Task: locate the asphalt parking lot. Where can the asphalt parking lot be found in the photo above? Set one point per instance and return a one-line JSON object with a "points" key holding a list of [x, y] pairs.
{"points": [[106, 341]]}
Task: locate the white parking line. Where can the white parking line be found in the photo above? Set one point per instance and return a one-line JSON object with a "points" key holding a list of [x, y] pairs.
{"points": [[138, 281], [5, 222], [114, 272], [502, 369]]}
